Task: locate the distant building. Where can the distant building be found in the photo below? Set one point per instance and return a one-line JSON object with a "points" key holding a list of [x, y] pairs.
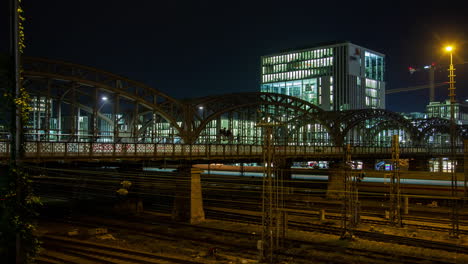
{"points": [[333, 76], [415, 115], [442, 110]]}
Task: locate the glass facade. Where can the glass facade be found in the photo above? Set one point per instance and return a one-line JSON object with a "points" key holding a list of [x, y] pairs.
{"points": [[442, 110], [307, 89], [374, 73], [372, 93], [297, 73], [374, 66], [338, 77]]}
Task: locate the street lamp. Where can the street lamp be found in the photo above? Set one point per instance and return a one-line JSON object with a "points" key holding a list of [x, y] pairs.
{"points": [[451, 80], [104, 101], [454, 212]]}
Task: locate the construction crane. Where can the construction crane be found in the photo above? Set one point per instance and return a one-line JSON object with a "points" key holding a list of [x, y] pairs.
{"points": [[432, 85]]}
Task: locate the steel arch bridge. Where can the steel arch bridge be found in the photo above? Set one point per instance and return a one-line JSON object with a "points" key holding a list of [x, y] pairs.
{"points": [[79, 104]]}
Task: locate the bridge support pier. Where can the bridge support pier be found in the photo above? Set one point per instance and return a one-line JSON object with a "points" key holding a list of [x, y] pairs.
{"points": [[336, 187], [418, 164], [460, 165], [131, 202], [188, 202], [368, 164], [284, 169]]}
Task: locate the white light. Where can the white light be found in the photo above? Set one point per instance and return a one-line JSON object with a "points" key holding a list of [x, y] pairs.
{"points": [[466, 100], [200, 107], [104, 98], [427, 67]]}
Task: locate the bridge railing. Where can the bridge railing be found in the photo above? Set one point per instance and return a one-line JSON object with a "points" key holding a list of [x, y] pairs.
{"points": [[38, 149]]}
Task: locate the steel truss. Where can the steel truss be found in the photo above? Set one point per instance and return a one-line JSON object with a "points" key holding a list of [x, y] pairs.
{"points": [[69, 93]]}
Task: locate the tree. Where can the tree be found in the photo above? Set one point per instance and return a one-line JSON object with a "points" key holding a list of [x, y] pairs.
{"points": [[17, 202]]}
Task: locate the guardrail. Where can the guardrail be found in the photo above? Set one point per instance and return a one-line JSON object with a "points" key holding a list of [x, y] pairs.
{"points": [[47, 150]]}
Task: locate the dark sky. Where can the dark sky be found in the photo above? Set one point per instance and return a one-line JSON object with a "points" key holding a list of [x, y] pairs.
{"points": [[199, 48]]}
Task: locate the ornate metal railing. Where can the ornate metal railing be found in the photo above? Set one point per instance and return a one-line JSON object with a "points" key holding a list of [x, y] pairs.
{"points": [[64, 150]]}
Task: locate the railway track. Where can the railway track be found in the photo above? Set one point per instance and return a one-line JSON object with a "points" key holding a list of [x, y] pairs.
{"points": [[145, 226], [72, 251], [320, 228], [315, 214], [247, 205]]}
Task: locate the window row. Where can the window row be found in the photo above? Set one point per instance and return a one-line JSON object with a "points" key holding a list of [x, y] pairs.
{"points": [[303, 55], [372, 102], [371, 92], [308, 90], [300, 65], [294, 75]]}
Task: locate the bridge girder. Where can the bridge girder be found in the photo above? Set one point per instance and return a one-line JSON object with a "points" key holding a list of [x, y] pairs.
{"points": [[190, 118], [279, 107], [82, 77], [431, 126]]}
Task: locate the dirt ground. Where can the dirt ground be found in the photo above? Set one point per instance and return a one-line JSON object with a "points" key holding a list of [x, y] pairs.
{"points": [[167, 240]]}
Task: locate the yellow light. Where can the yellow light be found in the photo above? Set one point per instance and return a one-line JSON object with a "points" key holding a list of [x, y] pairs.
{"points": [[449, 48]]}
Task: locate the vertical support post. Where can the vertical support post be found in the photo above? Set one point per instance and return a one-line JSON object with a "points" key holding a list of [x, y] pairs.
{"points": [[218, 129], [406, 204], [94, 117], [269, 234], [347, 198], [135, 124], [116, 118], [48, 105], [16, 124], [283, 179], [465, 170], [74, 116], [188, 203], [37, 115], [272, 198], [454, 232], [154, 127], [395, 195], [59, 119]]}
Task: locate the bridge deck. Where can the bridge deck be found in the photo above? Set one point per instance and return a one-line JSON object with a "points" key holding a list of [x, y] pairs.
{"points": [[85, 150]]}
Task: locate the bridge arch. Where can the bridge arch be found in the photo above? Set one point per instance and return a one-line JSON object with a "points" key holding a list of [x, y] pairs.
{"points": [[71, 83], [251, 106], [372, 120], [437, 126]]}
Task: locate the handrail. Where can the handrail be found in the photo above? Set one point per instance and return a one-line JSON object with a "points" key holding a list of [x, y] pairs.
{"points": [[43, 149]]}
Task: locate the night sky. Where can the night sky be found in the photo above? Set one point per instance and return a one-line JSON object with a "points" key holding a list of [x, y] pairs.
{"points": [[197, 48]]}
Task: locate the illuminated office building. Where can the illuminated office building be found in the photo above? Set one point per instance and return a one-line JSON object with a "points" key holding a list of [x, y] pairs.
{"points": [[333, 76], [442, 110]]}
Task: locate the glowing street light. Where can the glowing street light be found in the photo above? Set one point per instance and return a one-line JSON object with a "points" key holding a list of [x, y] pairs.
{"points": [[104, 101], [454, 232], [451, 77]]}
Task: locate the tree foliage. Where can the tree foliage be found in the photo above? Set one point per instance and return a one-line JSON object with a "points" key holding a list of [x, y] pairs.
{"points": [[18, 204]]}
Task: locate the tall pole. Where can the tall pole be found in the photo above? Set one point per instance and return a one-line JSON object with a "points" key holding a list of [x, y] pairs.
{"points": [[454, 232], [395, 195], [348, 203], [272, 199], [16, 120], [268, 231], [16, 128]]}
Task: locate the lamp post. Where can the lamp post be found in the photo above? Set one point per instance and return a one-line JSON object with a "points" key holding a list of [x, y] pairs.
{"points": [[104, 101], [454, 233]]}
